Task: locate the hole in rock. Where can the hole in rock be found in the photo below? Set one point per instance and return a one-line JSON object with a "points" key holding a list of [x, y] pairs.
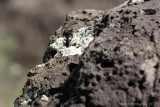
{"points": [[131, 83], [98, 78], [107, 63], [141, 72], [37, 103], [138, 103], [114, 72], [30, 74], [141, 84], [112, 17], [53, 91], [126, 19], [86, 83], [117, 48], [152, 38], [149, 11], [93, 84], [152, 101], [72, 66], [128, 12]]}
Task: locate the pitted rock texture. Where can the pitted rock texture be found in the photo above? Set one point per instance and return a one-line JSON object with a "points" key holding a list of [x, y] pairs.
{"points": [[120, 67]]}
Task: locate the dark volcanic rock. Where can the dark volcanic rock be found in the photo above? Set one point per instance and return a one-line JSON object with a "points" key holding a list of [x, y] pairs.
{"points": [[120, 67]]}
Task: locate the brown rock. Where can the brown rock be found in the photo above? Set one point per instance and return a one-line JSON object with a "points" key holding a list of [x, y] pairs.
{"points": [[120, 68]]}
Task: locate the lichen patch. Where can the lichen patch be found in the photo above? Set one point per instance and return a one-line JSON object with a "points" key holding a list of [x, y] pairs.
{"points": [[77, 42], [149, 68], [44, 98]]}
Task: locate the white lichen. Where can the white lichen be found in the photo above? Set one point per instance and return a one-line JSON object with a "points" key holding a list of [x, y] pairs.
{"points": [[136, 1], [82, 38], [77, 42], [44, 98], [40, 65], [131, 2], [26, 96], [58, 44], [72, 50], [149, 68]]}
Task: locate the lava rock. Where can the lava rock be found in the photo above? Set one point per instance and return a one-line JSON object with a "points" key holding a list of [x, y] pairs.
{"points": [[119, 68]]}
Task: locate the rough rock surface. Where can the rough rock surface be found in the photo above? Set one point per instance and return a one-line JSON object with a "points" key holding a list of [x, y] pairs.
{"points": [[119, 68]]}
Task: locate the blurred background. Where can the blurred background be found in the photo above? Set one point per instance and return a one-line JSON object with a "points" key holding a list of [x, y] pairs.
{"points": [[25, 27]]}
